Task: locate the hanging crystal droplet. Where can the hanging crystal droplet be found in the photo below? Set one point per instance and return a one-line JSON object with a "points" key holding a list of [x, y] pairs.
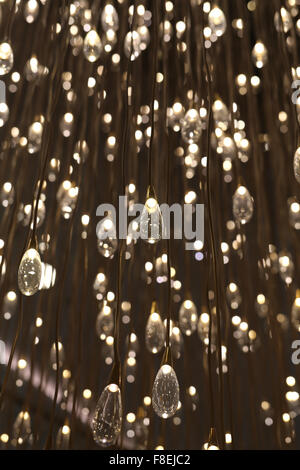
{"points": [[6, 58], [92, 46], [165, 393], [217, 21], [287, 21], [221, 115], [35, 133], [151, 224], [4, 113], [191, 128], [109, 18], [30, 272], [242, 205], [22, 429], [105, 322], [259, 55], [107, 419], [107, 239], [188, 317], [155, 333], [135, 42], [295, 316], [297, 165]]}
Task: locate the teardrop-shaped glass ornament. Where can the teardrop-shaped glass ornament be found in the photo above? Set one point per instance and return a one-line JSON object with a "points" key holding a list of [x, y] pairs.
{"points": [[165, 393], [63, 437], [294, 214], [151, 224], [35, 133], [212, 441], [22, 429], [297, 164], [155, 331], [4, 113], [188, 317], [92, 46], [107, 239], [217, 21], [191, 127], [286, 267], [31, 11], [132, 45], [242, 205], [295, 316], [233, 296], [105, 322], [203, 330], [6, 58], [107, 419], [286, 20], [109, 18], [259, 55], [30, 272], [221, 115]]}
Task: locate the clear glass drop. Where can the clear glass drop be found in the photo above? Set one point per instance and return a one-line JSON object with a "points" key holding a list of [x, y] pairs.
{"points": [[165, 393], [217, 21], [92, 46], [107, 419], [105, 322], [286, 267], [31, 11], [81, 152], [175, 116], [155, 333], [294, 214], [203, 330], [34, 70], [143, 31], [7, 194], [176, 342], [233, 296], [30, 272], [63, 437], [100, 283], [191, 127], [25, 214], [67, 195], [188, 317], [287, 21], [242, 205], [297, 165], [295, 315], [259, 55], [6, 58], [22, 429], [221, 115], [107, 238], [226, 147], [35, 133], [61, 355], [4, 113], [151, 224], [133, 45], [109, 18]]}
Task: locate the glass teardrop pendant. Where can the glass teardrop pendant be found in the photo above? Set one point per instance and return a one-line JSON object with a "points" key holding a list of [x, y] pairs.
{"points": [[105, 322], [297, 165], [92, 46], [188, 317], [242, 205], [165, 393], [151, 224], [295, 315], [155, 331], [191, 127], [107, 419], [6, 58], [217, 21], [107, 237], [30, 272]]}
